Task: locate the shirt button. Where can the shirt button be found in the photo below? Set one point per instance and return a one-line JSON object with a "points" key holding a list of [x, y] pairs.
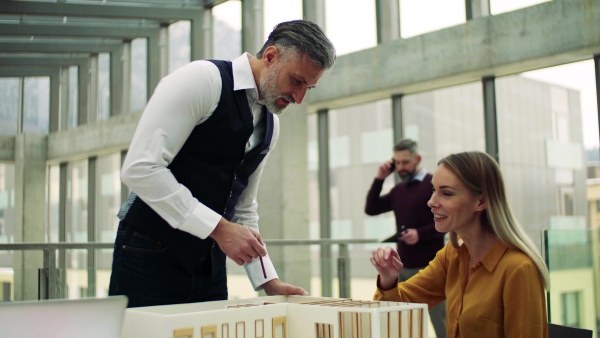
{"points": [[230, 193]]}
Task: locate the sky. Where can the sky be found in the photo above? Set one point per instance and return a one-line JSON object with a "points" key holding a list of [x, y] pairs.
{"points": [[354, 30]]}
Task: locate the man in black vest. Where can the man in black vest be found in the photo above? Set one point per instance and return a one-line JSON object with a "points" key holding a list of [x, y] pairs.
{"points": [[194, 165]]}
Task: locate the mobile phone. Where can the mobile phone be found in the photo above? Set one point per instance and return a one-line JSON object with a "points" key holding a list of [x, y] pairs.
{"points": [[393, 166]]}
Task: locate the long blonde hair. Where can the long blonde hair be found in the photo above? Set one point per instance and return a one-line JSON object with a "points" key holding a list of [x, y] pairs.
{"points": [[480, 173]]}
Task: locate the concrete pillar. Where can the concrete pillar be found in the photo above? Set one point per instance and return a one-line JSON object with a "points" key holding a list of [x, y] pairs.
{"points": [[477, 8], [283, 198], [83, 78], [388, 20], [116, 81], [252, 26], [201, 36], [30, 211], [92, 111], [314, 10]]}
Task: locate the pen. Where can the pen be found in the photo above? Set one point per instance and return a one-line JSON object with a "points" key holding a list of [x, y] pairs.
{"points": [[263, 266]]}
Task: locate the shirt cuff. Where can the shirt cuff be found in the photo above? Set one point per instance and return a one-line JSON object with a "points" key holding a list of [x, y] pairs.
{"points": [[389, 295], [202, 222], [255, 272]]}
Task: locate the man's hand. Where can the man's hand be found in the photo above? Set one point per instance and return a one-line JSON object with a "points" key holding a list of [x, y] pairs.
{"points": [[387, 262], [277, 287], [410, 236], [384, 170], [238, 242]]}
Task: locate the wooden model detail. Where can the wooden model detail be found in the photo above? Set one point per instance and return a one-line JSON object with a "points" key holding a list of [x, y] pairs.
{"points": [[209, 331], [259, 328], [183, 333], [324, 330], [240, 330], [225, 330], [288, 316], [279, 325]]}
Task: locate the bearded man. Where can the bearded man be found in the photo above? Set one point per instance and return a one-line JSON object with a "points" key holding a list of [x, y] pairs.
{"points": [[194, 165], [417, 239]]}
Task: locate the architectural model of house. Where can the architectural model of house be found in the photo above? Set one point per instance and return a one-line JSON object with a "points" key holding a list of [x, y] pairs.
{"points": [[279, 317]]}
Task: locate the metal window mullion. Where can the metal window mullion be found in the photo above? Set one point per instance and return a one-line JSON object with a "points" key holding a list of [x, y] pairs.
{"points": [[63, 103], [397, 123], [324, 200], [490, 117], [92, 110], [55, 280], [124, 188], [91, 226], [597, 75], [20, 109]]}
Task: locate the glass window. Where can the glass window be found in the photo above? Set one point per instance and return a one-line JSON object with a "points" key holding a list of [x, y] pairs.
{"points": [[77, 199], [73, 96], [103, 86], [139, 75], [502, 6], [544, 124], [108, 198], [179, 44], [360, 139], [445, 121], [313, 176], [36, 105], [7, 228], [422, 16], [276, 11], [353, 28], [9, 105], [571, 311], [7, 203], [227, 31]]}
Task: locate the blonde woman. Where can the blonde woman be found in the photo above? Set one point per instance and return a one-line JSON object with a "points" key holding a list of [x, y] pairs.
{"points": [[490, 274]]}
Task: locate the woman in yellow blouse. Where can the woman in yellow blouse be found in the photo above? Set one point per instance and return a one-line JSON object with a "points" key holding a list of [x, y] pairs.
{"points": [[491, 274]]}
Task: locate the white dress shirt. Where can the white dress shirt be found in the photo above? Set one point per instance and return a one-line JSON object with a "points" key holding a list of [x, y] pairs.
{"points": [[181, 101]]}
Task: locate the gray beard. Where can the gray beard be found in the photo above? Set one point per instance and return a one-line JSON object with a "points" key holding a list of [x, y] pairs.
{"points": [[269, 91]]}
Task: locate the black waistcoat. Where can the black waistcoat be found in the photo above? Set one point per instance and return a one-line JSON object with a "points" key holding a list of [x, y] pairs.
{"points": [[213, 165]]}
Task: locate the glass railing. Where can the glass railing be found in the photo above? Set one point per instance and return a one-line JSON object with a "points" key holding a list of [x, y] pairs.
{"points": [[78, 270], [329, 268], [573, 260]]}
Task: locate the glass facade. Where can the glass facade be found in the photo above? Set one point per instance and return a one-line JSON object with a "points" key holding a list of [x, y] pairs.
{"points": [[36, 105], [227, 26], [9, 105], [179, 44], [547, 134], [423, 16], [139, 77]]}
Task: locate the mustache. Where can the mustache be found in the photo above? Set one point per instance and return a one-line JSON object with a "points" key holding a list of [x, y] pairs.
{"points": [[288, 98]]}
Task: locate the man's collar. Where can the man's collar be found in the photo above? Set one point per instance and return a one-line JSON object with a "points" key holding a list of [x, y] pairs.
{"points": [[242, 73], [420, 175]]}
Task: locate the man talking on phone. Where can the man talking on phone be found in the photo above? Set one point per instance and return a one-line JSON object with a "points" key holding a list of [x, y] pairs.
{"points": [[417, 239]]}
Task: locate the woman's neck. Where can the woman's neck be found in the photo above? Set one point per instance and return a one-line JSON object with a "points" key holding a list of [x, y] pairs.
{"points": [[478, 243]]}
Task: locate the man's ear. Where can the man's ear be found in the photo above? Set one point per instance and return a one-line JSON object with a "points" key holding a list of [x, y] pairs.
{"points": [[481, 205], [270, 55]]}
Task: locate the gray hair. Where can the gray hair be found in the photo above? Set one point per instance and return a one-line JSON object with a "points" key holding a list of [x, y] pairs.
{"points": [[302, 36], [407, 144]]}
